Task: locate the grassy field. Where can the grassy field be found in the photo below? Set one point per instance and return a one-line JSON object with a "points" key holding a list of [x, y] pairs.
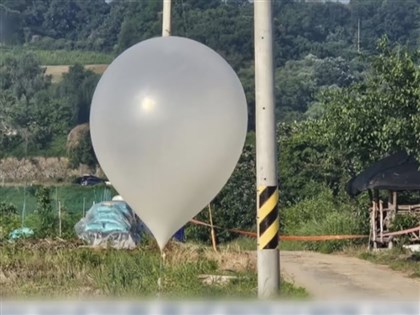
{"points": [[56, 269], [59, 57]]}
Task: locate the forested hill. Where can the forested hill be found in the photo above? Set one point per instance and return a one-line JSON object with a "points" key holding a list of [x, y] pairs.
{"points": [[317, 46], [323, 29]]}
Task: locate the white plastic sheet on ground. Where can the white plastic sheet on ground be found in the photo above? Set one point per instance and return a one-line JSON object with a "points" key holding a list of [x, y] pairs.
{"points": [[110, 223]]}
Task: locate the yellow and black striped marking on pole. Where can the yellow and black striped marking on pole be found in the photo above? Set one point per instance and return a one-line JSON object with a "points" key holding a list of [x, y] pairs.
{"points": [[268, 218]]}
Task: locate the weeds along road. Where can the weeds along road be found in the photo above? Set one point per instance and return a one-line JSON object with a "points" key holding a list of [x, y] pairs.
{"points": [[335, 277]]}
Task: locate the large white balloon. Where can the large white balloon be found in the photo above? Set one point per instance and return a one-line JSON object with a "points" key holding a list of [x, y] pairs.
{"points": [[168, 123]]}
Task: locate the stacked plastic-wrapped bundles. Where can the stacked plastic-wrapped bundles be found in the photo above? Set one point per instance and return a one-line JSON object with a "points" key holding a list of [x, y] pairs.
{"points": [[111, 223]]}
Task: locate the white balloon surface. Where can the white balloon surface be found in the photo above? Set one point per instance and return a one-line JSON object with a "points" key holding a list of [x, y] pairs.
{"points": [[168, 123]]}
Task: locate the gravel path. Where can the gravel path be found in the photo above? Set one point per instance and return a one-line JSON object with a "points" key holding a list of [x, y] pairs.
{"points": [[333, 277]]}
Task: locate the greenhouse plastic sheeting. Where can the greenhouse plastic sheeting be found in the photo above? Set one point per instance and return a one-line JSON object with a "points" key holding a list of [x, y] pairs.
{"points": [[110, 223]]}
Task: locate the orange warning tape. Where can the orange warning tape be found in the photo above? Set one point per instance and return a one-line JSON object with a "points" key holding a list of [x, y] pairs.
{"points": [[287, 237]]}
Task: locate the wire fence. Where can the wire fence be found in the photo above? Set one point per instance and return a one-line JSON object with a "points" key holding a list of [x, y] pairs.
{"points": [[73, 199]]}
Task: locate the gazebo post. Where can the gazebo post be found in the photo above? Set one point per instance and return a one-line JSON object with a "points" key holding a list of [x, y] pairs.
{"points": [[373, 220], [381, 221], [393, 211], [392, 204]]}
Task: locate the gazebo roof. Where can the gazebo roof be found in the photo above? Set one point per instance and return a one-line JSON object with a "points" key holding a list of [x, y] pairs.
{"points": [[397, 172]]}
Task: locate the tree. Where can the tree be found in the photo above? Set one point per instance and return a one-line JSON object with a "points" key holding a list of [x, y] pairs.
{"points": [[358, 125], [396, 19], [23, 76], [299, 81], [333, 71], [30, 114], [62, 19], [77, 88], [11, 22], [305, 164], [141, 21], [379, 116]]}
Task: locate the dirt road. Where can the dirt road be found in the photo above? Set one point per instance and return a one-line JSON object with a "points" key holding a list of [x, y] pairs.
{"points": [[333, 277]]}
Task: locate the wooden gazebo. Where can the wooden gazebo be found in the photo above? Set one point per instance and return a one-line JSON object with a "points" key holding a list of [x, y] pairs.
{"points": [[385, 180]]}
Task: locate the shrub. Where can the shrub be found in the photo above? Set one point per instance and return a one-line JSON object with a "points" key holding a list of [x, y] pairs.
{"points": [[9, 219], [68, 221], [7, 209], [323, 215], [48, 220]]}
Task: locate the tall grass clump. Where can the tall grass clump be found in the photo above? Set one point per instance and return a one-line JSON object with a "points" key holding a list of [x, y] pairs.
{"points": [[323, 214]]}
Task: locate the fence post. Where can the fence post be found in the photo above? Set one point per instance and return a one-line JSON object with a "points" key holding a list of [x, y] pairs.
{"points": [[59, 218]]}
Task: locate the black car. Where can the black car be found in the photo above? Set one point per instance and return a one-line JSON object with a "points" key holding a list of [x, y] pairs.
{"points": [[90, 180]]}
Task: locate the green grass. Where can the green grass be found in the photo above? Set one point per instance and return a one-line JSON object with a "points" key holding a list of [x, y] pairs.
{"points": [[323, 214], [397, 259], [59, 57], [57, 269]]}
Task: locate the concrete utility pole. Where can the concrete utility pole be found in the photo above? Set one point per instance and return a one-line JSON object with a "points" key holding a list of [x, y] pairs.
{"points": [[267, 190], [166, 18]]}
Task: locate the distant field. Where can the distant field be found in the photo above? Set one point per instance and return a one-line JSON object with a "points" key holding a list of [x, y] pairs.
{"points": [[57, 71], [59, 57]]}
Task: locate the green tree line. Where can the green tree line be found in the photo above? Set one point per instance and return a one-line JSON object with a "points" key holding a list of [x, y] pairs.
{"points": [[36, 115], [308, 36]]}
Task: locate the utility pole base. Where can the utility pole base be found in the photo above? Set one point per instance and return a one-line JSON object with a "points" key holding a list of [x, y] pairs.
{"points": [[268, 273]]}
